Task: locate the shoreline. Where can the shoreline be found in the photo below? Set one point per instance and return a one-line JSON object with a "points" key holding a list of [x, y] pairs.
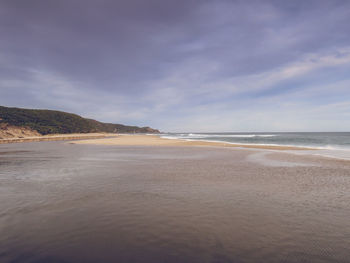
{"points": [[156, 140], [112, 139], [58, 137], [177, 194]]}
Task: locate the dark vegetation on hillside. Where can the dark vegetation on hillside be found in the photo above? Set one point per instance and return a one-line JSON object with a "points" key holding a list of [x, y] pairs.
{"points": [[51, 122]]}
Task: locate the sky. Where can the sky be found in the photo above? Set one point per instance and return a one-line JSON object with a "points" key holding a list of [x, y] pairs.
{"points": [[183, 65]]}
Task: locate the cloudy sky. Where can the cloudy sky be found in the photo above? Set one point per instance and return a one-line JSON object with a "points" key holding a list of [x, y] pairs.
{"points": [[183, 65]]}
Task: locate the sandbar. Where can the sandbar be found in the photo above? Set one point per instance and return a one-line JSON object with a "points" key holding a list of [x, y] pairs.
{"points": [[155, 140]]}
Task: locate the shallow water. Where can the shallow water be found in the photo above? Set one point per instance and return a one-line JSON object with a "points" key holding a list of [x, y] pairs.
{"points": [[331, 144], [82, 203]]}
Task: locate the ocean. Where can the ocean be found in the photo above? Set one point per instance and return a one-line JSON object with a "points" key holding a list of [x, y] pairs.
{"points": [[330, 144]]}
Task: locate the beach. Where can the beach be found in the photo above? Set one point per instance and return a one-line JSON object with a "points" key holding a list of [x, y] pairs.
{"points": [[97, 201], [56, 137], [155, 140], [174, 131]]}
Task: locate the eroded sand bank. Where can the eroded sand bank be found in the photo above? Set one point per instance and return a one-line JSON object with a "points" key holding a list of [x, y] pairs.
{"points": [[57, 137]]}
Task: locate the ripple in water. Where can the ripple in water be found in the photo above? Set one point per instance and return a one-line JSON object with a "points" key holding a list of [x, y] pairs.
{"points": [[66, 203]]}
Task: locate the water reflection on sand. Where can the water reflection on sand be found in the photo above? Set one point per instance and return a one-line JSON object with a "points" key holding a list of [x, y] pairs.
{"points": [[81, 203]]}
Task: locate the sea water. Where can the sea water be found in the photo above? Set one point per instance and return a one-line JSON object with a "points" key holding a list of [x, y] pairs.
{"points": [[332, 144]]}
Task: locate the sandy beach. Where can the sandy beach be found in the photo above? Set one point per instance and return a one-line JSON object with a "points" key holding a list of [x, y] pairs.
{"points": [[155, 140], [57, 137]]}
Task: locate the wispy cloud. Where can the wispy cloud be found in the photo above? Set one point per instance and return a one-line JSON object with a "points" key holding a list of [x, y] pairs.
{"points": [[189, 65]]}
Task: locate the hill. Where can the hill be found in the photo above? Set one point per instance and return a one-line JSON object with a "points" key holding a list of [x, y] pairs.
{"points": [[57, 122]]}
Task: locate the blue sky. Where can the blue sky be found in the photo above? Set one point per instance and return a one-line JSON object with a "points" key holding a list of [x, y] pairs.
{"points": [[181, 65]]}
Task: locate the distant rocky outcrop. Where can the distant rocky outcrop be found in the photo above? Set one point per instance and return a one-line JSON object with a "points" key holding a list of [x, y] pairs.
{"points": [[17, 122]]}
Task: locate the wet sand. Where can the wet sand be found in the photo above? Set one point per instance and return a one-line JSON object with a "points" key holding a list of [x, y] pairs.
{"points": [[115, 203], [154, 140]]}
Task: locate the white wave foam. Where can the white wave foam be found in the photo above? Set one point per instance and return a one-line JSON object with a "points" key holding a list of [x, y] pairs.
{"points": [[330, 151], [170, 137], [200, 136]]}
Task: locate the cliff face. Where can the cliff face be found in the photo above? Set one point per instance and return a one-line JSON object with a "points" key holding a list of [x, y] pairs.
{"points": [[42, 122]]}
